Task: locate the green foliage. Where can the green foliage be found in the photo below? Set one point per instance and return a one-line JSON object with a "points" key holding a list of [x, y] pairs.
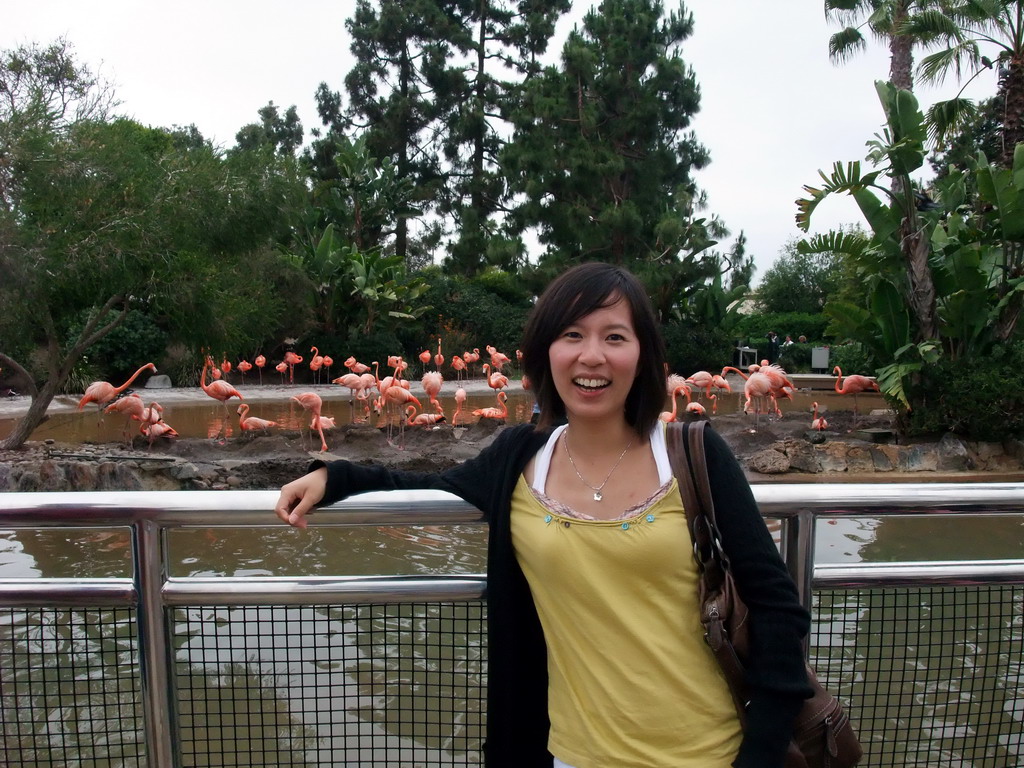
{"points": [[800, 281], [752, 329], [851, 358], [136, 341], [375, 345], [692, 347], [796, 357], [974, 398]]}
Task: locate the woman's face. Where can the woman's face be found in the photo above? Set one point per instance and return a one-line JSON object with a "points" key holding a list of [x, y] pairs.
{"points": [[594, 362]]}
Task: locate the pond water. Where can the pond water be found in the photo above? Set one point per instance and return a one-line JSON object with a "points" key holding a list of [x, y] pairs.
{"points": [[207, 418]]}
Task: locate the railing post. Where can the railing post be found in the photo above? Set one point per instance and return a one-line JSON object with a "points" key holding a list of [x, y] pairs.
{"points": [[798, 552], [154, 661]]}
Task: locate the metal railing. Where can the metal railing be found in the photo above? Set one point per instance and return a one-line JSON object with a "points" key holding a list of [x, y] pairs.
{"points": [[158, 620]]}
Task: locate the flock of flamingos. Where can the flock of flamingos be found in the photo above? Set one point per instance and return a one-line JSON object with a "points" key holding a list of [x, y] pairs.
{"points": [[389, 397]]}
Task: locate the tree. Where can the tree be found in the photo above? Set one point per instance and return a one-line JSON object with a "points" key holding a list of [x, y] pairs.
{"points": [[893, 21], [943, 280], [503, 40], [282, 134], [799, 282], [108, 216], [602, 155], [995, 27]]}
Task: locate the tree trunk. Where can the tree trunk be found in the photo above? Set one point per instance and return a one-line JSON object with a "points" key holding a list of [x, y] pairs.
{"points": [[1013, 108], [916, 249], [901, 56], [36, 413]]}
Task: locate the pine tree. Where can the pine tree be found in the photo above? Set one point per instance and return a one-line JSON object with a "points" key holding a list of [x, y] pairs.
{"points": [[603, 155]]}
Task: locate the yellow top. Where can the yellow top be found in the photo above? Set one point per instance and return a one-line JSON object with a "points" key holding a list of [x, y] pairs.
{"points": [[632, 684]]}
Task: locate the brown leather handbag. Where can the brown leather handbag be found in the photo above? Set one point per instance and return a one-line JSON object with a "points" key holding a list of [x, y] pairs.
{"points": [[823, 736]]}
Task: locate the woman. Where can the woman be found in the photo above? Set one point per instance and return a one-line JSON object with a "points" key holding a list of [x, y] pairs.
{"points": [[596, 656]]}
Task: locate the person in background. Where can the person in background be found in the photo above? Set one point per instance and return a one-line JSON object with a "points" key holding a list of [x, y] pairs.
{"points": [[773, 346], [596, 655], [788, 341]]}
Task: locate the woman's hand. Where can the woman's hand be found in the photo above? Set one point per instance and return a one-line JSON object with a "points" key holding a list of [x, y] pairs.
{"points": [[300, 496]]}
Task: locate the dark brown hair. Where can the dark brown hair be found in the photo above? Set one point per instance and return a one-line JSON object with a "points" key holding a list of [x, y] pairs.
{"points": [[574, 294]]}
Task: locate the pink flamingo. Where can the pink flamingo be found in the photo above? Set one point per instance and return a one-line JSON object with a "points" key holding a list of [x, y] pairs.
{"points": [[425, 357], [355, 366], [756, 388], [854, 384], [701, 380], [328, 362], [281, 368], [817, 422], [225, 366], [670, 416], [460, 400], [495, 380], [498, 359], [130, 405], [260, 362], [251, 423], [311, 401], [501, 412], [719, 383], [470, 358], [316, 363], [438, 358], [423, 419], [432, 381], [159, 429], [291, 360], [458, 364], [219, 390], [102, 392], [243, 368]]}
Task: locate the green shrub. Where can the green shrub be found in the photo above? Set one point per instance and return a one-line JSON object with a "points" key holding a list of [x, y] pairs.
{"points": [[752, 329], [796, 358], [694, 348], [851, 358], [137, 341], [974, 397]]}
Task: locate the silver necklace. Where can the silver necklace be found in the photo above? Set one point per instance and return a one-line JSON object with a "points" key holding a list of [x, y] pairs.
{"points": [[595, 488]]}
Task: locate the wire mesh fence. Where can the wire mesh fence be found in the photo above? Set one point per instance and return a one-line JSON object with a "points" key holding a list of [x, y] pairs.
{"points": [[932, 676], [70, 688]]}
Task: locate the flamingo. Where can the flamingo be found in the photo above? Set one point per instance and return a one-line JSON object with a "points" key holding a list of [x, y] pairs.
{"points": [[159, 429], [423, 419], [328, 362], [432, 381], [251, 423], [225, 366], [355, 366], [818, 422], [460, 400], [130, 405], [757, 387], [438, 358], [152, 413], [281, 368], [291, 360], [701, 380], [470, 358], [311, 402], [495, 380], [670, 416], [498, 359], [102, 392], [854, 384], [425, 359], [260, 362], [244, 367], [322, 422], [219, 390], [501, 412], [719, 383], [316, 363], [459, 365]]}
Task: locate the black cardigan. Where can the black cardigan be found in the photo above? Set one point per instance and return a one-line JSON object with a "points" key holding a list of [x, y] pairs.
{"points": [[517, 720]]}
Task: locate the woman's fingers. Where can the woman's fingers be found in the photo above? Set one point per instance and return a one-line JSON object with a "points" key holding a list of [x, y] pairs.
{"points": [[299, 497]]}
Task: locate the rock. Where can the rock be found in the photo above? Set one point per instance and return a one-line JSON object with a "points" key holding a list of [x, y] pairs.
{"points": [[184, 471], [885, 458], [81, 476], [917, 458], [804, 458], [158, 381], [5, 477], [51, 477], [816, 436], [833, 457], [234, 481], [769, 462], [952, 454], [859, 459]]}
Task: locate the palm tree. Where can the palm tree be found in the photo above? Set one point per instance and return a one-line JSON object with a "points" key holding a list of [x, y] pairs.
{"points": [[995, 26], [890, 20]]}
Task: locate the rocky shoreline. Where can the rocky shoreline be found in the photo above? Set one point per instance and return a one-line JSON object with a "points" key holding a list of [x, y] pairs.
{"points": [[770, 451]]}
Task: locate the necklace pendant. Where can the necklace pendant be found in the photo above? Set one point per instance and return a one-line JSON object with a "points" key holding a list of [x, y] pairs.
{"points": [[597, 496]]}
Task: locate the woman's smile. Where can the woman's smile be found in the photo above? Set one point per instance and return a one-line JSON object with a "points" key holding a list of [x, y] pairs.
{"points": [[594, 362]]}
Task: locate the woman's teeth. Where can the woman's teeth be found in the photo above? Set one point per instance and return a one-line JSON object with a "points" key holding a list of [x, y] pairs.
{"points": [[591, 383]]}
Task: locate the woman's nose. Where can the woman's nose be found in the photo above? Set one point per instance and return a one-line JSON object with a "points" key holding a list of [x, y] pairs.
{"points": [[592, 352]]}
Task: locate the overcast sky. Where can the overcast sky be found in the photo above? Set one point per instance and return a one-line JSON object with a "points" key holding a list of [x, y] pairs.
{"points": [[774, 109]]}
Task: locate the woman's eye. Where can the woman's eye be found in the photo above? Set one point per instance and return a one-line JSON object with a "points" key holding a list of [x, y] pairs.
{"points": [[571, 334], [616, 337]]}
